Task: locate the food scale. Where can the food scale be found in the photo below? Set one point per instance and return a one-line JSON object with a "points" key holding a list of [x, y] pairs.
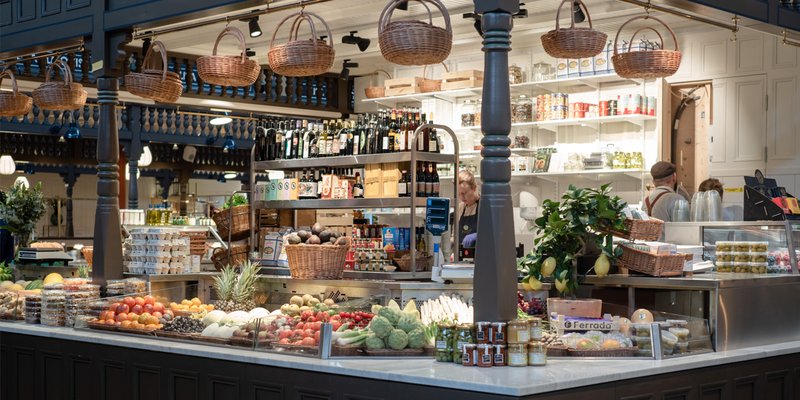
{"points": [[437, 220], [43, 256]]}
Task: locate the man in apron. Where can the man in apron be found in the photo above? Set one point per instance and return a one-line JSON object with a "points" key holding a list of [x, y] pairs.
{"points": [[661, 201]]}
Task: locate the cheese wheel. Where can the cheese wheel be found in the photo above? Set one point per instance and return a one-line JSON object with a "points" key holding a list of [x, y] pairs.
{"points": [[641, 316]]}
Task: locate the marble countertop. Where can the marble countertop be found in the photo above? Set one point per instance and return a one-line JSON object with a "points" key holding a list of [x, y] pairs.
{"points": [[559, 374]]}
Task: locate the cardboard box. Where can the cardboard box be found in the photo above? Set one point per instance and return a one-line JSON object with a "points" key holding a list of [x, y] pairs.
{"points": [[272, 190], [561, 68], [389, 236], [329, 182], [373, 187], [342, 189], [294, 188], [573, 68], [390, 175], [586, 66], [602, 61]]}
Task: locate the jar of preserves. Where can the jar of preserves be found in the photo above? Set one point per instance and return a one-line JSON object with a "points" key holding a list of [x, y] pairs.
{"points": [[498, 334], [463, 336], [537, 353], [469, 356], [515, 74], [485, 355], [519, 331], [521, 109], [444, 342], [536, 329], [468, 113], [483, 331], [517, 354], [500, 355]]}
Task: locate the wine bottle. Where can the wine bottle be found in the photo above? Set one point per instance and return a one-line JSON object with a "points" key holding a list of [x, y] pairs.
{"points": [[402, 186], [429, 180], [435, 182], [433, 145], [287, 141], [420, 189], [358, 188], [423, 139]]}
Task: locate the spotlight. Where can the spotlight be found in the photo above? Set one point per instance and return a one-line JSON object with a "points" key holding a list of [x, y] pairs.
{"points": [[73, 132], [145, 46], [578, 12], [229, 144], [229, 175], [362, 43], [175, 147], [62, 139], [222, 119], [249, 52], [477, 23], [346, 65], [403, 6], [255, 30]]}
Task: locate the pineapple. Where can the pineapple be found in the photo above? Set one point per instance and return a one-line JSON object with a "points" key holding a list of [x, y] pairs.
{"points": [[235, 292]]}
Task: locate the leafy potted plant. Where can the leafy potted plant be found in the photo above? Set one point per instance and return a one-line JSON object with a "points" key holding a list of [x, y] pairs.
{"points": [[20, 210], [566, 230]]}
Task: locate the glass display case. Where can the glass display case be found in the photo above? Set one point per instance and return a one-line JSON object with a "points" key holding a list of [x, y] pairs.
{"points": [[742, 246]]}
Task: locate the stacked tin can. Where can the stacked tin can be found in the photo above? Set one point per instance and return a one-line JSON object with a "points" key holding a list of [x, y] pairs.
{"points": [[553, 106]]}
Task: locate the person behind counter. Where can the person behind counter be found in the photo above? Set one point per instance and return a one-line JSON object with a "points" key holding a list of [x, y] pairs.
{"points": [[663, 198], [728, 213], [467, 209]]}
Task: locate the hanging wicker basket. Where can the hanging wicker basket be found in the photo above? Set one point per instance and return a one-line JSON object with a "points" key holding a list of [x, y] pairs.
{"points": [[155, 84], [646, 64], [573, 42], [13, 103], [373, 92], [414, 42], [431, 85], [59, 96], [235, 71], [301, 57]]}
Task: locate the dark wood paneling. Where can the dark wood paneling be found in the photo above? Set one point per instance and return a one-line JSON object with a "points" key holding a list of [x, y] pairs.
{"points": [[51, 381], [50, 7], [777, 385], [263, 391], [146, 383], [25, 369], [744, 388], [684, 393], [223, 387], [183, 385], [83, 374], [116, 384], [713, 391], [75, 4], [310, 394], [6, 13], [26, 10]]}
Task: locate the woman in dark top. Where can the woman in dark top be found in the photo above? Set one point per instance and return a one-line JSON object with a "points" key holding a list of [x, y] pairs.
{"points": [[467, 209]]}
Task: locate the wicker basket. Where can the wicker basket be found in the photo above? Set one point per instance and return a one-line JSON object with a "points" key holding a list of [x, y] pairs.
{"points": [[234, 221], [573, 42], [59, 96], [431, 85], [414, 42], [155, 84], [238, 256], [13, 103], [373, 92], [424, 263], [640, 229], [301, 57], [236, 71], [88, 254], [311, 261], [653, 264], [646, 64]]}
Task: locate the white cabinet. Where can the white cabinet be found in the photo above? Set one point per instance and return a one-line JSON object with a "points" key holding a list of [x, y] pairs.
{"points": [[783, 138]]}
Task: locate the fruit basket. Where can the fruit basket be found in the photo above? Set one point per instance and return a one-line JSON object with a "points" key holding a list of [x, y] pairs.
{"points": [[302, 57], [573, 42], [414, 42], [308, 261], [640, 229], [13, 103], [238, 71], [234, 221], [238, 256], [646, 64]]}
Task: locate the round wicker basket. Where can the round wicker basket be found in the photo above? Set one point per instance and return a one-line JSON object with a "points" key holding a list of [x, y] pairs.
{"points": [[301, 57], [573, 42], [155, 84], [235, 71], [414, 42], [59, 96], [238, 256], [13, 103], [646, 64], [234, 221], [431, 85], [310, 261]]}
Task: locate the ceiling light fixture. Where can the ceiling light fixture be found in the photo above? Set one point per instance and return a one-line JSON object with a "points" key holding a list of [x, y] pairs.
{"points": [[21, 180], [230, 175], [7, 165], [223, 119], [346, 65], [146, 158], [362, 43], [255, 30], [578, 12]]}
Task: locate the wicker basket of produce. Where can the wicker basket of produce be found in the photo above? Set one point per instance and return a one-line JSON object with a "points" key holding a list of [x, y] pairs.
{"points": [[235, 71], [652, 264], [414, 42], [233, 220], [573, 42], [59, 96], [152, 83], [646, 64], [308, 261], [373, 92], [238, 255], [13, 103], [640, 229], [301, 57]]}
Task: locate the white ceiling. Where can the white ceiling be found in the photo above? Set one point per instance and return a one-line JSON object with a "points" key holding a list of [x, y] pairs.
{"points": [[362, 15]]}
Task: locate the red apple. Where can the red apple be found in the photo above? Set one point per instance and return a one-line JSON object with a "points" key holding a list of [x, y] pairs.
{"points": [[158, 307], [149, 300], [130, 301], [122, 308], [148, 307], [137, 309], [121, 317]]}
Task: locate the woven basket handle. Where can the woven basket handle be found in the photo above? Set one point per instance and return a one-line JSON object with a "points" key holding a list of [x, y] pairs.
{"points": [[148, 59], [302, 15], [7, 72], [425, 69], [377, 73], [646, 28], [616, 38], [386, 14], [65, 71], [572, 14], [235, 32]]}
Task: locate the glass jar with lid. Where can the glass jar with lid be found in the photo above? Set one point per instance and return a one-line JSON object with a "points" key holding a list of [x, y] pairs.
{"points": [[521, 109], [537, 353], [444, 342], [541, 71], [463, 335], [536, 329], [517, 355], [515, 74], [518, 331], [468, 113]]}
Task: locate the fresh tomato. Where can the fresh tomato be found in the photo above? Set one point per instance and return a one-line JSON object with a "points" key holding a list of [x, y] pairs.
{"points": [[357, 318], [297, 333], [285, 334], [306, 314], [300, 325], [283, 341], [309, 341], [308, 333], [336, 325], [316, 336]]}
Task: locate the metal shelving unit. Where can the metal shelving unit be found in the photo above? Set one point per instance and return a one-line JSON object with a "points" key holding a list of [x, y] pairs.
{"points": [[412, 202]]}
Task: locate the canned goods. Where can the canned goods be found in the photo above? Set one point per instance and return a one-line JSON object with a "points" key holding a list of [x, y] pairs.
{"points": [[613, 107], [651, 105]]}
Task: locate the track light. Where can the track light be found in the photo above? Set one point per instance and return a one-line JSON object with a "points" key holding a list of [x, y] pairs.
{"points": [[578, 12], [249, 52], [229, 144], [145, 46], [362, 43], [477, 23], [346, 65], [255, 30]]}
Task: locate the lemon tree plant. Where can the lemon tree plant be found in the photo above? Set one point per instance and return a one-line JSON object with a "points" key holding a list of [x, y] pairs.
{"points": [[565, 230]]}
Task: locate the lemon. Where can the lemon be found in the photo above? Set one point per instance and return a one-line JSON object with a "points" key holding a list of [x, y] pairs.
{"points": [[548, 266], [601, 266]]}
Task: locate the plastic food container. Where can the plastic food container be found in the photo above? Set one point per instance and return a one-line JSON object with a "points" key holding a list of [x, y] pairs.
{"points": [[642, 330], [758, 267], [741, 257], [759, 247], [682, 347], [759, 257], [724, 266], [741, 246], [681, 333], [724, 246], [724, 256], [741, 267], [643, 343]]}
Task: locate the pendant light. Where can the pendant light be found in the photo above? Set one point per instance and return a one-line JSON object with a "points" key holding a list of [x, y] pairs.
{"points": [[21, 180], [7, 165], [147, 157], [128, 171]]}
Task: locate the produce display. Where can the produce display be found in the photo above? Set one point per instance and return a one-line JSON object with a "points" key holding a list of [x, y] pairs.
{"points": [[11, 305], [190, 306], [143, 314], [235, 291], [184, 325], [396, 329]]}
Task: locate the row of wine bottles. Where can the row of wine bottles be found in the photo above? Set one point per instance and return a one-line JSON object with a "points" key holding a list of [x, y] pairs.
{"points": [[384, 132], [311, 181]]}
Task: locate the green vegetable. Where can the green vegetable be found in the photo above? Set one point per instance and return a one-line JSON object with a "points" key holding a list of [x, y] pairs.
{"points": [[417, 339], [235, 200], [381, 327], [391, 314], [398, 339], [37, 284], [407, 322], [352, 339], [374, 343], [393, 305]]}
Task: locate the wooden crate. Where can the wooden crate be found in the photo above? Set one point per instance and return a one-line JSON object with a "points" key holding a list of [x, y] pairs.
{"points": [[395, 87], [462, 79], [331, 218]]}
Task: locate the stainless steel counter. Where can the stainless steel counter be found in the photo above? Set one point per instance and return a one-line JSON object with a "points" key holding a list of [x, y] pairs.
{"points": [[708, 281]]}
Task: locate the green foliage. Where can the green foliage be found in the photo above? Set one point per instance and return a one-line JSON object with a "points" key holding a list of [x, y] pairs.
{"points": [[566, 227], [22, 208], [235, 200]]}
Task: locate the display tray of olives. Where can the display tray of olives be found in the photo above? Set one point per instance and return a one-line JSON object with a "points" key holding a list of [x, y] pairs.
{"points": [[184, 325]]}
